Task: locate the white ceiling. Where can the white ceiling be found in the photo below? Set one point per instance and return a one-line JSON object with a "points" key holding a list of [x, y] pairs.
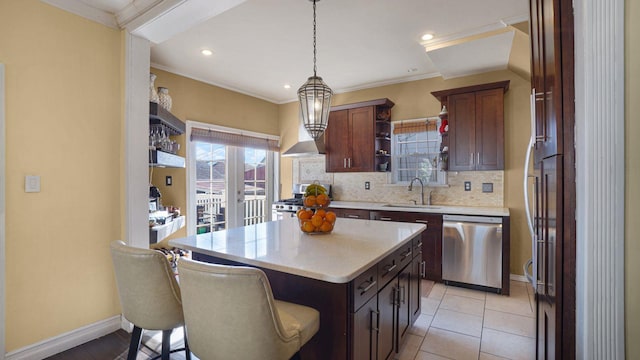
{"points": [[260, 45]]}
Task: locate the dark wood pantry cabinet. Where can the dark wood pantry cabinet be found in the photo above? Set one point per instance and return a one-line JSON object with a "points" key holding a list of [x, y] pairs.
{"points": [[552, 83], [476, 126]]}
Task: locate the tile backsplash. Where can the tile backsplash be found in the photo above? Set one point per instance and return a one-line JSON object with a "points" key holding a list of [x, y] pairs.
{"points": [[351, 186]]}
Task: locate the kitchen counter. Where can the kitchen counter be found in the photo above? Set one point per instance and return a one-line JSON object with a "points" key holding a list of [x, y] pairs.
{"points": [[337, 257], [436, 209]]}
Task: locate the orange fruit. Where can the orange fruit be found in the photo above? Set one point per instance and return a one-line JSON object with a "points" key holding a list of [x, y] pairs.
{"points": [[330, 216], [304, 214], [310, 201], [322, 200], [326, 226], [307, 226], [321, 212], [316, 220]]}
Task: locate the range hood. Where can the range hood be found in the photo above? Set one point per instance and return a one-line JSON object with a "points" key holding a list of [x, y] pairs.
{"points": [[305, 146]]}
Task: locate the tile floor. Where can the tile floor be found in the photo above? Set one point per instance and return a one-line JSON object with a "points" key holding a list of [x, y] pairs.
{"points": [[458, 323]]}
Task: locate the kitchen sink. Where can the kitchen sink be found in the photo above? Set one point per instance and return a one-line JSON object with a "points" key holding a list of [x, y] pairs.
{"points": [[412, 206]]}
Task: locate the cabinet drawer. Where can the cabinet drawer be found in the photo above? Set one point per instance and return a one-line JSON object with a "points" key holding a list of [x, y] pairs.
{"points": [[355, 214], [386, 216], [388, 268], [364, 287], [405, 254]]}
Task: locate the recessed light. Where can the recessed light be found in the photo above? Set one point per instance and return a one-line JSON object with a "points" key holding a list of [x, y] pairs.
{"points": [[427, 37], [206, 52], [287, 86]]}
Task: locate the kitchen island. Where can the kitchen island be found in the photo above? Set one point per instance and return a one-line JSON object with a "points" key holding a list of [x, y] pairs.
{"points": [[361, 277]]}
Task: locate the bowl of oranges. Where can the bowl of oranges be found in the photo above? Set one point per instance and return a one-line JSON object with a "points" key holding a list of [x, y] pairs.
{"points": [[314, 218], [316, 221]]}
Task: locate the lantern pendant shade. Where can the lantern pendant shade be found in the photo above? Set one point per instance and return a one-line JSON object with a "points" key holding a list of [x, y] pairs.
{"points": [[315, 102]]}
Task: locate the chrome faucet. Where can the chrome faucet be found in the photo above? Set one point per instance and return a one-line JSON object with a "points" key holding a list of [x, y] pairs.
{"points": [[421, 192], [421, 189]]}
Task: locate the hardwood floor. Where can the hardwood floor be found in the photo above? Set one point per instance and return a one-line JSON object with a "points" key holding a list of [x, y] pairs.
{"points": [[115, 346]]}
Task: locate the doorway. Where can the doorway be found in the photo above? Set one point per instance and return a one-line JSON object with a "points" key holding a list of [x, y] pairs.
{"points": [[231, 178]]}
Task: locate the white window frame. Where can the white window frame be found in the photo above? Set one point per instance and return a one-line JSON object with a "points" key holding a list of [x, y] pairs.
{"points": [[396, 156], [191, 170]]}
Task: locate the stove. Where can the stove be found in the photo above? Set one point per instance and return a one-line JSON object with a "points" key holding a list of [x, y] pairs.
{"points": [[289, 207]]}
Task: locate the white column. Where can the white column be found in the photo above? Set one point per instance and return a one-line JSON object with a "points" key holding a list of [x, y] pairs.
{"points": [[599, 60], [136, 144]]}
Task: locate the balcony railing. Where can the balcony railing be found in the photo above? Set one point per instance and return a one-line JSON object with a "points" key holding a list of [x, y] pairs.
{"points": [[211, 215]]}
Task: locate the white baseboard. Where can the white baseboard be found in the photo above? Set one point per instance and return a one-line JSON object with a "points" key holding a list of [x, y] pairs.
{"points": [[60, 343], [520, 278]]}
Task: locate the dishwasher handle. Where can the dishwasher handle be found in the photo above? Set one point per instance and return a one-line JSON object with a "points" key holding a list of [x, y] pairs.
{"points": [[472, 219]]}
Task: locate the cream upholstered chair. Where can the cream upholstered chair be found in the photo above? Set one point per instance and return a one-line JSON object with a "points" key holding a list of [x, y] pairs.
{"points": [[149, 294], [230, 313]]}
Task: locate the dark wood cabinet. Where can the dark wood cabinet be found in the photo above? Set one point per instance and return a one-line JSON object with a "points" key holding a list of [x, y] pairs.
{"points": [[476, 126], [357, 137], [431, 238], [381, 324], [552, 82], [415, 285], [365, 326], [386, 309]]}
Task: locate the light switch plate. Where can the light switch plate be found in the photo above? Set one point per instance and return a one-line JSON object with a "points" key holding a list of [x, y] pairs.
{"points": [[32, 183]]}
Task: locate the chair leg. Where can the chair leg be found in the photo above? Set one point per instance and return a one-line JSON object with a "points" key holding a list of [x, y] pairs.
{"points": [[187, 352], [134, 345], [296, 356], [166, 344]]}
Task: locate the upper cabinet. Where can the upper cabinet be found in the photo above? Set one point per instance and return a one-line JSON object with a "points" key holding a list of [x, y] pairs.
{"points": [[476, 126], [357, 138]]}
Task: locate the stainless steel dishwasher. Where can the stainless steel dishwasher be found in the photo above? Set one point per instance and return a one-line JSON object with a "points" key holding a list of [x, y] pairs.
{"points": [[472, 250]]}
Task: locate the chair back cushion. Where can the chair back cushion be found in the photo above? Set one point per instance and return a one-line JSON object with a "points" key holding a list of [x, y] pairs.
{"points": [[149, 292], [230, 313]]}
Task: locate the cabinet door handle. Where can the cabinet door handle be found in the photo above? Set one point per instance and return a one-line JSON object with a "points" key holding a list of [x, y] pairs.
{"points": [[402, 294], [422, 222], [377, 313], [363, 289], [478, 156], [407, 254], [385, 218], [353, 216], [419, 245], [344, 163], [423, 269], [349, 163], [471, 158]]}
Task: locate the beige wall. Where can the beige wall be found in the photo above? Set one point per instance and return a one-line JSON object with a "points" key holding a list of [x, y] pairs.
{"points": [[632, 178], [414, 100], [197, 101], [63, 123]]}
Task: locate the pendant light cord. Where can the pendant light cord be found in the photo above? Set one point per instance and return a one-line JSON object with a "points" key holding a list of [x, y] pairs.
{"points": [[314, 38]]}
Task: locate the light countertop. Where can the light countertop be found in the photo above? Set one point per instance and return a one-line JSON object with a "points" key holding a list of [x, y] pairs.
{"points": [[339, 257], [435, 209]]}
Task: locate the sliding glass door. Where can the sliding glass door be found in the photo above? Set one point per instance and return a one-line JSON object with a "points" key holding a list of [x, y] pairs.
{"points": [[230, 185]]}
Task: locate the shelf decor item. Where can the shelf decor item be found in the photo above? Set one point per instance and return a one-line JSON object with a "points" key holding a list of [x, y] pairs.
{"points": [[164, 98], [153, 94], [315, 96]]}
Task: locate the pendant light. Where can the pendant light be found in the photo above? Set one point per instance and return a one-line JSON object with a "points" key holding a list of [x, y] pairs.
{"points": [[315, 96]]}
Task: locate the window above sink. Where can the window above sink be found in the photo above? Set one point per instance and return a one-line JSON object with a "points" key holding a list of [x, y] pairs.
{"points": [[416, 151]]}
